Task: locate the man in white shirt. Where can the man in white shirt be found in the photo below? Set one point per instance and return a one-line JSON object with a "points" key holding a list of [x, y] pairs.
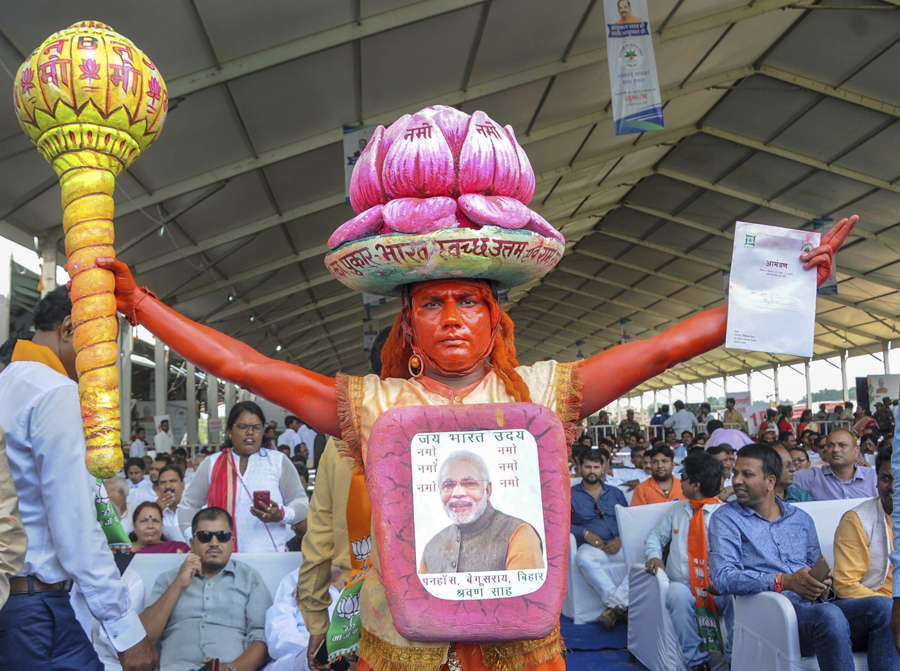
{"points": [[163, 440], [170, 487], [40, 412], [307, 436], [140, 488], [290, 437], [683, 420], [139, 447], [286, 635], [700, 483]]}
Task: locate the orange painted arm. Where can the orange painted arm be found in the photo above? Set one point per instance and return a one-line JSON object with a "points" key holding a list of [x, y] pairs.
{"points": [[307, 394], [610, 374]]}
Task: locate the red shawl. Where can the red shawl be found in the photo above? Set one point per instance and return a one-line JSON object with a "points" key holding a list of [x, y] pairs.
{"points": [[222, 487]]}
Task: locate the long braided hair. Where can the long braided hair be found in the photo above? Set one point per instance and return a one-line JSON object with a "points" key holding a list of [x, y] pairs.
{"points": [[397, 349]]}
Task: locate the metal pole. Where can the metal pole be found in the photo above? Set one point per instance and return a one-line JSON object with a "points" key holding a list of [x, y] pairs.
{"points": [[655, 405], [126, 344], [5, 295], [160, 378], [775, 379], [705, 397], [886, 353], [748, 380], [844, 388], [190, 394], [229, 396], [725, 385], [808, 384], [48, 264], [212, 408]]}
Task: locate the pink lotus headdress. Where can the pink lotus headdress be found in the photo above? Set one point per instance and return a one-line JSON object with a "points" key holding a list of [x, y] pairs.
{"points": [[439, 194], [441, 168]]}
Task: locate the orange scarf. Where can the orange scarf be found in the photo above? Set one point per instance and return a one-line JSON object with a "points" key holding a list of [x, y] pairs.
{"points": [[222, 485], [698, 559], [26, 350], [359, 526]]}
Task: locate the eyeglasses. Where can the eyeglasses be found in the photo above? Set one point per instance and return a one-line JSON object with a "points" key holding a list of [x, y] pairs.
{"points": [[246, 428], [469, 484], [598, 511], [207, 536]]}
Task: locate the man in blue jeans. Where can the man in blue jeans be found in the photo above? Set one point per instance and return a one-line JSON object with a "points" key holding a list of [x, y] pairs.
{"points": [[759, 543], [701, 480]]}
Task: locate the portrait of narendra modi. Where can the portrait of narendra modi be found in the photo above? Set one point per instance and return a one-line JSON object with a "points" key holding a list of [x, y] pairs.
{"points": [[479, 537]]}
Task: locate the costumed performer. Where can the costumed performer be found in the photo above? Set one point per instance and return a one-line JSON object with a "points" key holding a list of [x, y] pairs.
{"points": [[443, 219]]}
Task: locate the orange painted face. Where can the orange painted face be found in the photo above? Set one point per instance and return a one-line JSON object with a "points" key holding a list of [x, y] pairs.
{"points": [[451, 323]]}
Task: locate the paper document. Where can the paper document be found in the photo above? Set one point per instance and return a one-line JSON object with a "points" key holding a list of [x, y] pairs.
{"points": [[771, 298]]}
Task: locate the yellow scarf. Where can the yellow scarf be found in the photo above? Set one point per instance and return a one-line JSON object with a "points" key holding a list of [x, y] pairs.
{"points": [[26, 350]]}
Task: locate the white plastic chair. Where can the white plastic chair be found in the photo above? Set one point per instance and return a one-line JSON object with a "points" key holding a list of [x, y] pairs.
{"points": [[582, 603], [651, 635], [765, 624]]}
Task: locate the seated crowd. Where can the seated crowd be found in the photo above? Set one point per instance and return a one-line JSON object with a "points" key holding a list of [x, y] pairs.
{"points": [[734, 531], [213, 606]]}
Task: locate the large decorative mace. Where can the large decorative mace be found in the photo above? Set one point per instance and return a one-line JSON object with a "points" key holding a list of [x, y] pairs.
{"points": [[92, 102]]}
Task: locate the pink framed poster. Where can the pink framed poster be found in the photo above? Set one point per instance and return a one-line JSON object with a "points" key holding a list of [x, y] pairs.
{"points": [[471, 512]]}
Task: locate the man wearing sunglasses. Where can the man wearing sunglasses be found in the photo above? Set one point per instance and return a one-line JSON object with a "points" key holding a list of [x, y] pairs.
{"points": [[212, 607]]}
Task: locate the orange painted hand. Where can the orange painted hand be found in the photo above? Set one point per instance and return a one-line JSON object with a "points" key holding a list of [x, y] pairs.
{"points": [[823, 256], [128, 294]]}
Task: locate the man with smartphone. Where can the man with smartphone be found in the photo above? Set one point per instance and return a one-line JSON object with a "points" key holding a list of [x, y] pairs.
{"points": [[759, 543], [212, 608]]}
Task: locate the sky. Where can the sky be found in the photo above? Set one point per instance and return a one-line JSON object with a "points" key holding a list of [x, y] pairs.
{"points": [[825, 374]]}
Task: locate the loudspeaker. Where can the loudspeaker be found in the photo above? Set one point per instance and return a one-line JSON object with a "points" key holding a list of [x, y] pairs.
{"points": [[862, 392]]}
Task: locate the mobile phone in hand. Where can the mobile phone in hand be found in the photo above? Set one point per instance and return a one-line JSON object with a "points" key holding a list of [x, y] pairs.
{"points": [[262, 499], [821, 569]]}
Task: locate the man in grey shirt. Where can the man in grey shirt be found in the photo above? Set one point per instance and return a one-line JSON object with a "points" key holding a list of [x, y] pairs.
{"points": [[683, 420], [211, 607]]}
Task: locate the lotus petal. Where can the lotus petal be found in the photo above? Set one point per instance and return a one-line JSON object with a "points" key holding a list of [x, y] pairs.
{"points": [[502, 211], [540, 225], [419, 162], [417, 215], [488, 162], [392, 132], [476, 159], [365, 184], [506, 160], [525, 190], [445, 222], [363, 224], [453, 125]]}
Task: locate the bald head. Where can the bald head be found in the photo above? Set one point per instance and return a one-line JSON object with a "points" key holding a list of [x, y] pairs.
{"points": [[840, 449], [845, 432]]}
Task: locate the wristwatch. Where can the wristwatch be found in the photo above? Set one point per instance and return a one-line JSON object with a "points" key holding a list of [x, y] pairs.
{"points": [[779, 582]]}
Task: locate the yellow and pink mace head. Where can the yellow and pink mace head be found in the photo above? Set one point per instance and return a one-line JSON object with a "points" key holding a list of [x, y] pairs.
{"points": [[91, 101]]}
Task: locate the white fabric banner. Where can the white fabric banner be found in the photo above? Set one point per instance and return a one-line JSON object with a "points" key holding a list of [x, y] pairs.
{"points": [[355, 140], [633, 83], [771, 298]]}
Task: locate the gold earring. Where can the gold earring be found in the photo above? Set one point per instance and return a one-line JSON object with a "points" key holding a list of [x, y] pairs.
{"points": [[414, 365]]}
